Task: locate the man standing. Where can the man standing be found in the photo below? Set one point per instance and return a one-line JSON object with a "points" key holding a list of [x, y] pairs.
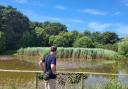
{"points": [[48, 65]]}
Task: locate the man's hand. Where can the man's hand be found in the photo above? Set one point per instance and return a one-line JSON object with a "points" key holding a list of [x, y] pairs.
{"points": [[41, 65]]}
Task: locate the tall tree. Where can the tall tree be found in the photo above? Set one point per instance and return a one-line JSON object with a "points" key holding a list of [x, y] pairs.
{"points": [[64, 39], [96, 37], [41, 37], [87, 33], [109, 38], [54, 28], [76, 35], [28, 39], [84, 42], [13, 25]]}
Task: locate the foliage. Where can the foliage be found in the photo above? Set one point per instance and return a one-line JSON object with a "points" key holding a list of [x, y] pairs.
{"points": [[87, 33], [41, 37], [76, 35], [96, 37], [54, 28], [64, 39], [27, 39], [113, 47], [113, 84], [109, 38], [84, 42], [13, 24], [2, 41], [123, 47]]}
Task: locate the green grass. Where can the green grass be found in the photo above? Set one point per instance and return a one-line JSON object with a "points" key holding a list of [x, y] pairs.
{"points": [[113, 84], [75, 53], [109, 84]]}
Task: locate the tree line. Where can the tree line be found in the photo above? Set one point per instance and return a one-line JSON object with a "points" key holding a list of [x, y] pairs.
{"points": [[17, 31]]}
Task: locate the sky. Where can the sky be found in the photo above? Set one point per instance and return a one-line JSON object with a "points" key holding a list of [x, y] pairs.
{"points": [[80, 15]]}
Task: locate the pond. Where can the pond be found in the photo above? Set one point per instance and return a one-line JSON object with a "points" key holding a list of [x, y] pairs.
{"points": [[30, 63]]}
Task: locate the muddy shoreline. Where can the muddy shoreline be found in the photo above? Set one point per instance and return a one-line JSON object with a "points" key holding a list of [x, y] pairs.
{"points": [[6, 57]]}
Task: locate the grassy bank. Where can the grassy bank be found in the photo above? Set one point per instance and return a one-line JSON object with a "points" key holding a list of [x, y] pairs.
{"points": [[82, 53]]}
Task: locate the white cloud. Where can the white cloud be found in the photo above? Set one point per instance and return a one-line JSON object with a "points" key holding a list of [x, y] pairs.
{"points": [[37, 4], [75, 20], [117, 13], [60, 7], [98, 26], [121, 29], [20, 1], [125, 2], [51, 18], [38, 17], [93, 12], [61, 19]]}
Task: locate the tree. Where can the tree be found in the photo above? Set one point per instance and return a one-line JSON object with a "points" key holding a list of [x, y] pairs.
{"points": [[76, 35], [28, 39], [123, 47], [96, 37], [13, 24], [33, 25], [84, 42], [64, 39], [109, 38], [87, 33], [54, 28], [2, 41], [41, 37], [51, 40]]}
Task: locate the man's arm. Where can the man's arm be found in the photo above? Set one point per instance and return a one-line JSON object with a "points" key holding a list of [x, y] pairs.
{"points": [[41, 65], [53, 65], [53, 68]]}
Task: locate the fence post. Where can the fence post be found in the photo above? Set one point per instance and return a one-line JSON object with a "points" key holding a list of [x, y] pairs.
{"points": [[37, 80], [82, 82]]}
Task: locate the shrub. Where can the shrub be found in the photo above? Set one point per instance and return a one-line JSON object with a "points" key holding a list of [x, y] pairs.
{"points": [[123, 47]]}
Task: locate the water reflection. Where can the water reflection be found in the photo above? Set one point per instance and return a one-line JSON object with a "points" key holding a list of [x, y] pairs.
{"points": [[30, 63]]}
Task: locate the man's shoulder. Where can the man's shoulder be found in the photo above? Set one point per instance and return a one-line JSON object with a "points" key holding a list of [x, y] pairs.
{"points": [[52, 56]]}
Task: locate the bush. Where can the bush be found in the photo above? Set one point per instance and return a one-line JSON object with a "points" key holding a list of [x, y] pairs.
{"points": [[123, 47], [84, 42], [113, 47]]}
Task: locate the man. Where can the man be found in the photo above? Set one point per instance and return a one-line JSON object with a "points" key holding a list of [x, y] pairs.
{"points": [[48, 64]]}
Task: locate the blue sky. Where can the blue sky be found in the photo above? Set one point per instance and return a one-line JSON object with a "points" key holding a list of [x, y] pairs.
{"points": [[94, 15]]}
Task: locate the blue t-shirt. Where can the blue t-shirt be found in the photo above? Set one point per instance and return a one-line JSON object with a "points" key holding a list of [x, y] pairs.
{"points": [[48, 60]]}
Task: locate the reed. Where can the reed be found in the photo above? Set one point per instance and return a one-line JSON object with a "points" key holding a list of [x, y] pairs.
{"points": [[82, 53]]}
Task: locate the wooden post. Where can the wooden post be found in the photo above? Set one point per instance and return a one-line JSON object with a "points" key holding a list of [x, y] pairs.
{"points": [[36, 80], [82, 82]]}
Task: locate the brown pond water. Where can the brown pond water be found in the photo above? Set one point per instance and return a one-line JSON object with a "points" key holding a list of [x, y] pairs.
{"points": [[30, 63]]}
